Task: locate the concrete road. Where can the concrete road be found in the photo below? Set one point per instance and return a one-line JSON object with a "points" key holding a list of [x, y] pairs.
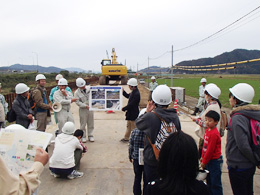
{"points": [[106, 167]]}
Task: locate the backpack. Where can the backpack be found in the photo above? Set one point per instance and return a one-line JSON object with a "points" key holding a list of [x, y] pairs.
{"points": [[223, 123], [11, 115], [165, 130], [255, 136], [30, 99]]}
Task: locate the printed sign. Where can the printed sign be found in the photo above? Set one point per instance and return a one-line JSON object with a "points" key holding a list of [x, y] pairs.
{"points": [[18, 147], [105, 98]]}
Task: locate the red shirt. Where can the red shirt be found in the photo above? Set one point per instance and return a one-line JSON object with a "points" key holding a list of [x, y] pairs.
{"points": [[212, 145]]}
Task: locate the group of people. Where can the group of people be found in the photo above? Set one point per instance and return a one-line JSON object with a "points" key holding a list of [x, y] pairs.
{"points": [[62, 94], [32, 104], [171, 158], [176, 168]]}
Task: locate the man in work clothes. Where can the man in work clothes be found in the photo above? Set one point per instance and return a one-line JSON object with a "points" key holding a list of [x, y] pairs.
{"points": [[132, 108], [201, 100], [152, 86], [85, 115], [65, 98], [42, 107], [58, 77]]}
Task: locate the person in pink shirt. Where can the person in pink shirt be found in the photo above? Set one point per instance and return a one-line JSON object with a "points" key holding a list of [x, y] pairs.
{"points": [[211, 158]]}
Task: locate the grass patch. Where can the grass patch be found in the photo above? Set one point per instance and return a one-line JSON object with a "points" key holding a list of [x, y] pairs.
{"points": [[191, 84]]}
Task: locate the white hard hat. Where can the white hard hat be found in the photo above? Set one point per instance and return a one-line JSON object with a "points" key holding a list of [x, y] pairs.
{"points": [[153, 77], [132, 82], [210, 84], [142, 112], [58, 77], [203, 80], [243, 91], [21, 88], [162, 95], [68, 128], [63, 81], [80, 82], [213, 90], [39, 77], [15, 127]]}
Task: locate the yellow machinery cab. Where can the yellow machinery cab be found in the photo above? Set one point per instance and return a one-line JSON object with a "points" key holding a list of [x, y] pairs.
{"points": [[113, 71]]}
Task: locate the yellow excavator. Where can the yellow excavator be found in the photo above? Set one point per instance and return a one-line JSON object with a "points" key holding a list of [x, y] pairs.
{"points": [[113, 71]]}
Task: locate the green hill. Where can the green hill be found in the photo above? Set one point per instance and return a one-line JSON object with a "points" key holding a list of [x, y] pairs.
{"points": [[227, 57]]}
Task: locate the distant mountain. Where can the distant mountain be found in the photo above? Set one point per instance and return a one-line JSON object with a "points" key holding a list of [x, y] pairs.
{"points": [[153, 69], [41, 69], [227, 57], [31, 68], [72, 69]]}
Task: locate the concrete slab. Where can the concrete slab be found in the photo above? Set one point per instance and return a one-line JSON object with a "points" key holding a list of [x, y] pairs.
{"points": [[106, 167]]}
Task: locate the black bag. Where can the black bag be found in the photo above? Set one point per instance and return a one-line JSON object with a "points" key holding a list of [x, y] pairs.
{"points": [[11, 116]]}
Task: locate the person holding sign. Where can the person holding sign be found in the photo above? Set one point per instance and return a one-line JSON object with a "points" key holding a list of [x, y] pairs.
{"points": [[132, 108], [86, 116]]}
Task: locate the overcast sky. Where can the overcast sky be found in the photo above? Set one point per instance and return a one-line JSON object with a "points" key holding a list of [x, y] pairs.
{"points": [[77, 33]]}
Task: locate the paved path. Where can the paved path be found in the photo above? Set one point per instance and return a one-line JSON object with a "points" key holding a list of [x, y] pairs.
{"points": [[106, 167]]}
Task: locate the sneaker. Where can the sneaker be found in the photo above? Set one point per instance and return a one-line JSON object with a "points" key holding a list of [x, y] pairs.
{"points": [[84, 140], [124, 140], [54, 175], [75, 174], [91, 139]]}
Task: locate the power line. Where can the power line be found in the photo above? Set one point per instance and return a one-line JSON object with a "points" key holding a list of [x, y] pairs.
{"points": [[219, 31], [159, 56]]}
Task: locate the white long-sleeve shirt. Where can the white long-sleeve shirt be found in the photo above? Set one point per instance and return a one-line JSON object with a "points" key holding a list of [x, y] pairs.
{"points": [[63, 153]]}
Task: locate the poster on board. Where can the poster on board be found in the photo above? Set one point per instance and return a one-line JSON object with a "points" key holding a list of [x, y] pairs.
{"points": [[105, 98]]}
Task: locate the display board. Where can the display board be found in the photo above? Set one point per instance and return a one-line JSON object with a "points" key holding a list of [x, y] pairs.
{"points": [[105, 98]]}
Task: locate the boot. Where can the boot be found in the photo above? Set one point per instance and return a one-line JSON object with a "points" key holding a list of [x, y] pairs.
{"points": [[195, 111]]}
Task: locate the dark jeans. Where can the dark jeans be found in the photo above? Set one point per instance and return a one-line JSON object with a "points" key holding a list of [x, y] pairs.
{"points": [[150, 173], [61, 172], [139, 172], [214, 167], [242, 180]]}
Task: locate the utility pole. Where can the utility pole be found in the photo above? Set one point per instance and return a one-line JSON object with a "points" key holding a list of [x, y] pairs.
{"points": [[148, 72], [36, 58], [137, 72], [172, 69]]}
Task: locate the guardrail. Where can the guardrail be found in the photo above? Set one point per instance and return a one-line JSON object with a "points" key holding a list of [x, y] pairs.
{"points": [[9, 98]]}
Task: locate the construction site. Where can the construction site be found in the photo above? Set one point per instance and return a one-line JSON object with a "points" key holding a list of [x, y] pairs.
{"points": [[106, 166]]}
